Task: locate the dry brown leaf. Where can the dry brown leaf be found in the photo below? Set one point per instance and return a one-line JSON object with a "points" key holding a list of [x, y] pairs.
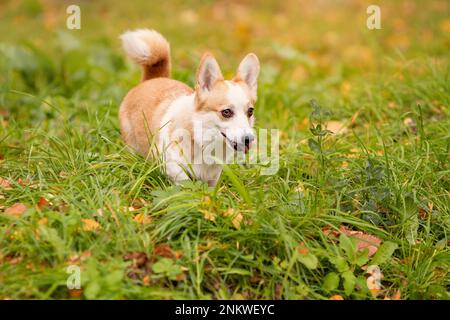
{"points": [[75, 293], [43, 221], [163, 250], [330, 232], [138, 258], [336, 297], [5, 184], [363, 240], [90, 225], [16, 209]]}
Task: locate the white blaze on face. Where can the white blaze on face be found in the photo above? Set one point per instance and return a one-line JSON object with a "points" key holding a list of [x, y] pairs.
{"points": [[239, 125]]}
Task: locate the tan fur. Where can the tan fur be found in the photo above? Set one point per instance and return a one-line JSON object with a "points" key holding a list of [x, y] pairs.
{"points": [[216, 100], [143, 107]]}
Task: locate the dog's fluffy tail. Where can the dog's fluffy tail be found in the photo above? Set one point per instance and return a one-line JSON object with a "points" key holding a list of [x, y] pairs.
{"points": [[150, 50]]}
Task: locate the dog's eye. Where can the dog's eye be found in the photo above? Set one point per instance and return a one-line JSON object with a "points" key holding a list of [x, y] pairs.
{"points": [[227, 113], [250, 112]]}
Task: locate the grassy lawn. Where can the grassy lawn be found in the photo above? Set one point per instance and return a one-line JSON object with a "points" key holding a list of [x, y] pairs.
{"points": [[71, 194]]}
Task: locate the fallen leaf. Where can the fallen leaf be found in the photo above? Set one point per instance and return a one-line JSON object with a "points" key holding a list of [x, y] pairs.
{"points": [[336, 127], [330, 232], [178, 254], [236, 217], [146, 280], [98, 213], [16, 209], [75, 293], [423, 214], [163, 250], [411, 124], [142, 218], [76, 258], [208, 215], [302, 249], [336, 297], [42, 203], [374, 279], [24, 183], [43, 221], [363, 240], [209, 244], [13, 260], [278, 291], [90, 225], [5, 184], [396, 296], [138, 258], [139, 203], [180, 277]]}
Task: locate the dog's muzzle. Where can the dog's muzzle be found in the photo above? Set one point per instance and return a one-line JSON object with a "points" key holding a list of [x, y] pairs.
{"points": [[243, 145]]}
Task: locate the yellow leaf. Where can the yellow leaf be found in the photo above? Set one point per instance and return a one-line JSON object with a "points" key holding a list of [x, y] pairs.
{"points": [[236, 217], [208, 215], [336, 297], [90, 225], [142, 218]]}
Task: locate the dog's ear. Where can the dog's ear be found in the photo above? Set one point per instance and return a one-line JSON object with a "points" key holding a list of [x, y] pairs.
{"points": [[208, 73], [248, 72]]}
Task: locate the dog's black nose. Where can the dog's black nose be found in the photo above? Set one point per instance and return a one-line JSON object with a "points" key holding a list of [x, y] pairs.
{"points": [[248, 138]]}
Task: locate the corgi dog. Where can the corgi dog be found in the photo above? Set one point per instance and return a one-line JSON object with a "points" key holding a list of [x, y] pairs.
{"points": [[180, 122]]}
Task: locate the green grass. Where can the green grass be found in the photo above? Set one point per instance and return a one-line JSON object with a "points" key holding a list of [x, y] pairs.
{"points": [[387, 175]]}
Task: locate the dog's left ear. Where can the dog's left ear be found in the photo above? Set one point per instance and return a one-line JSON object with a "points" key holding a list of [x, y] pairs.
{"points": [[248, 72]]}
